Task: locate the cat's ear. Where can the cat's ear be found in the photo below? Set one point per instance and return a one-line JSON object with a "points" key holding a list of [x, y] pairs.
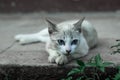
{"points": [[51, 26], [77, 25]]}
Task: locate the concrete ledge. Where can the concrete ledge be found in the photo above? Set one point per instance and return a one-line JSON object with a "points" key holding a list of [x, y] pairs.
{"points": [[17, 72], [32, 59]]}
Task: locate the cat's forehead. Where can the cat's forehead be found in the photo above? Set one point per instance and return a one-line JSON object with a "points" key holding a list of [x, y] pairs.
{"points": [[66, 25], [71, 22], [67, 31], [70, 33]]}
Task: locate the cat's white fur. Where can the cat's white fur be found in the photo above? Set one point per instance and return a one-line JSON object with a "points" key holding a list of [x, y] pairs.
{"points": [[88, 39]]}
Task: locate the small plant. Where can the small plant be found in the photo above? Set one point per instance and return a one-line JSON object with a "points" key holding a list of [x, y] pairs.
{"points": [[99, 65], [117, 76], [96, 62], [79, 70]]}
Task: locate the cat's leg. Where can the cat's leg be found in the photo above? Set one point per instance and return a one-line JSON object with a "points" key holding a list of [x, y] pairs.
{"points": [[26, 38], [30, 38], [41, 36], [43, 32]]}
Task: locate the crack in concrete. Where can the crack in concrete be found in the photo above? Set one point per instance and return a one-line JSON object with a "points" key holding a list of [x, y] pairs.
{"points": [[10, 46]]}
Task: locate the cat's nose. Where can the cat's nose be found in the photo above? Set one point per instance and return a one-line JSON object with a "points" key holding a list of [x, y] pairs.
{"points": [[68, 51]]}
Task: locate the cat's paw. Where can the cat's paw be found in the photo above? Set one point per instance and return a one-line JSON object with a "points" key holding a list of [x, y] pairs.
{"points": [[62, 59], [18, 37], [21, 38], [52, 59]]}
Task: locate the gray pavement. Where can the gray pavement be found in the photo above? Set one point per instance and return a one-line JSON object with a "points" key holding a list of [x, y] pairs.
{"points": [[107, 25]]}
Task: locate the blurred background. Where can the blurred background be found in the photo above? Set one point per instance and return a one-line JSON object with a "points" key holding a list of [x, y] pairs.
{"points": [[28, 6]]}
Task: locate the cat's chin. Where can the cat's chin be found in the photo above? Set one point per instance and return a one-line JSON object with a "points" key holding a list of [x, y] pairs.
{"points": [[67, 54]]}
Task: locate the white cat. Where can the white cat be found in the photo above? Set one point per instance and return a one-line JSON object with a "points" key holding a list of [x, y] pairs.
{"points": [[69, 38]]}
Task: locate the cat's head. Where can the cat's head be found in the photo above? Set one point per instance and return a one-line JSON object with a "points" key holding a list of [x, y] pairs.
{"points": [[65, 36]]}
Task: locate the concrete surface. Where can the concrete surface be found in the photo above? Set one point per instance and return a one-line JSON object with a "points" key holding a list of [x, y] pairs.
{"points": [[107, 25]]}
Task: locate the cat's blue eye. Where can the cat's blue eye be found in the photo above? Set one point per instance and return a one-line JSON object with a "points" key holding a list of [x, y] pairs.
{"points": [[61, 42], [74, 42]]}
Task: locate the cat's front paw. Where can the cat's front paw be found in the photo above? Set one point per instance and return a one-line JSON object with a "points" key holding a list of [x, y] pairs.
{"points": [[62, 59], [52, 59]]}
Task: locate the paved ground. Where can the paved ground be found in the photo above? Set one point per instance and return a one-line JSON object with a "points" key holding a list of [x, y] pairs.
{"points": [[107, 25]]}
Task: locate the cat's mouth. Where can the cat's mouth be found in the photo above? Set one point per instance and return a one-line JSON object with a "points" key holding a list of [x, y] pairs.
{"points": [[67, 54]]}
